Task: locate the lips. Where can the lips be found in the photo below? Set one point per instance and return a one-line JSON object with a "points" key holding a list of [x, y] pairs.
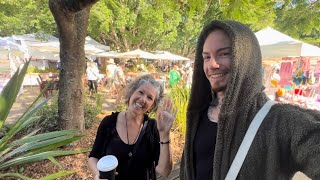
{"points": [[217, 75], [139, 105]]}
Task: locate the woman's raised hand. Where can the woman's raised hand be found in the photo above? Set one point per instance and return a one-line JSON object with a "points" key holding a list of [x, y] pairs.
{"points": [[165, 116]]}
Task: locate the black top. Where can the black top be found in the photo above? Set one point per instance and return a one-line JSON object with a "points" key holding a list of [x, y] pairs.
{"points": [[204, 146], [108, 142]]}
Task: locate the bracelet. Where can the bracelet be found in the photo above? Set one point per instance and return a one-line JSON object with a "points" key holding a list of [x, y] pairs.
{"points": [[167, 142]]}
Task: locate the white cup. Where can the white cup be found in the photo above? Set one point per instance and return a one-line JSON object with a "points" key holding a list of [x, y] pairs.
{"points": [[107, 167]]}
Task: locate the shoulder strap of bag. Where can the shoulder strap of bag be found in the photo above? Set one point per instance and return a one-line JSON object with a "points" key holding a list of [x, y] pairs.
{"points": [[138, 141], [247, 141]]}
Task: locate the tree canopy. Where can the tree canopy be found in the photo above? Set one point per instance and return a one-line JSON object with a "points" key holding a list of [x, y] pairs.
{"points": [[25, 16], [167, 25]]}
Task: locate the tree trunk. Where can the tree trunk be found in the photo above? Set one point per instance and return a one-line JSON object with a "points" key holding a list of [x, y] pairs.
{"points": [[71, 17]]}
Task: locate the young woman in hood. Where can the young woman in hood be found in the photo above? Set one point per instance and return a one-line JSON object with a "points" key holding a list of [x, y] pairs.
{"points": [[118, 133]]}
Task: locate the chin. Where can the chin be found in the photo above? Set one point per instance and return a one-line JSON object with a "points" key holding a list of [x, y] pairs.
{"points": [[217, 89]]}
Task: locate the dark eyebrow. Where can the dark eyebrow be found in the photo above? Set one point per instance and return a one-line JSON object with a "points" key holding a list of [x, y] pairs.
{"points": [[221, 49], [205, 53]]}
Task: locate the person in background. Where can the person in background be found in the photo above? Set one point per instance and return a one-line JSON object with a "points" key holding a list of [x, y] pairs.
{"points": [[119, 78], [174, 76], [142, 68], [152, 69], [275, 78], [92, 77], [110, 72], [118, 133], [226, 94], [189, 75], [96, 60]]}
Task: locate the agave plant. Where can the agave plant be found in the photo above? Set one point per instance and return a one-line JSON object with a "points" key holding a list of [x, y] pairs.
{"points": [[31, 147]]}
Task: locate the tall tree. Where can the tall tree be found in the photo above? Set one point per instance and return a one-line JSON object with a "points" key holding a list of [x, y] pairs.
{"points": [[71, 17], [130, 24]]}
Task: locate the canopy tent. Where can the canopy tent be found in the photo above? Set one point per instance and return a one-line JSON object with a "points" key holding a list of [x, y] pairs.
{"points": [[96, 44], [165, 55], [7, 47], [275, 44], [138, 53], [45, 46], [109, 54]]}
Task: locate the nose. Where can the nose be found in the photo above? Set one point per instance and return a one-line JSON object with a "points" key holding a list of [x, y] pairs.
{"points": [[213, 62], [143, 98]]}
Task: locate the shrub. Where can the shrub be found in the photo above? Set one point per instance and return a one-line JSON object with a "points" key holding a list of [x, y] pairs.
{"points": [[48, 116], [34, 69], [99, 102], [180, 97]]}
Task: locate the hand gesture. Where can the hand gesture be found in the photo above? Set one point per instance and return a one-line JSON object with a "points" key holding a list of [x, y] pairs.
{"points": [[166, 115]]}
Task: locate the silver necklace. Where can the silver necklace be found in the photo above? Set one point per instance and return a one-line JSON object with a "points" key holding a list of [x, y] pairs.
{"points": [[125, 116]]}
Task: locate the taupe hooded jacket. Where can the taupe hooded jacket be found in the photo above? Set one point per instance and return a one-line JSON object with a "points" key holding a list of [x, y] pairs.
{"points": [[287, 141]]}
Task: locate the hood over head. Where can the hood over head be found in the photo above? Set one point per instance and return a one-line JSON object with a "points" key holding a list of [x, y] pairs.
{"points": [[243, 97], [246, 69]]}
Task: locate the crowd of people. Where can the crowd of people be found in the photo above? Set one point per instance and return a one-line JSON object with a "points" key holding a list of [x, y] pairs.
{"points": [[234, 131], [115, 78]]}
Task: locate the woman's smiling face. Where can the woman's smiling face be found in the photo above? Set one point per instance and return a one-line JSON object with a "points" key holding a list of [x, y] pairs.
{"points": [[143, 98]]}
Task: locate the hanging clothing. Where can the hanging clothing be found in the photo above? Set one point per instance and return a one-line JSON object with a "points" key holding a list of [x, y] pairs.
{"points": [[285, 74]]}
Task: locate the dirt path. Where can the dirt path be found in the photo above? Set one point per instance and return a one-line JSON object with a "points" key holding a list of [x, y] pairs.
{"points": [[23, 101]]}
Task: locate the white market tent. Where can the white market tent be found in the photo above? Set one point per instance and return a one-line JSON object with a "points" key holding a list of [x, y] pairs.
{"points": [[93, 43], [10, 58], [165, 55], [109, 54], [138, 53], [7, 47], [275, 44], [45, 46]]}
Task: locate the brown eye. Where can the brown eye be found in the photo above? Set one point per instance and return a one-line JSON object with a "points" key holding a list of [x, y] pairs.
{"points": [[206, 58]]}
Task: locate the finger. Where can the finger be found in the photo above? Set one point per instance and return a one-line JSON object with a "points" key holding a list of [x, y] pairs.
{"points": [[165, 105], [161, 106], [160, 116], [170, 106], [175, 112]]}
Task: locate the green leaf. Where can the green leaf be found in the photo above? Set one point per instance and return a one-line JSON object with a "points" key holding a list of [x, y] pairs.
{"points": [[54, 146], [40, 146], [15, 175], [38, 157], [54, 161], [45, 136], [18, 125], [10, 92], [57, 175]]}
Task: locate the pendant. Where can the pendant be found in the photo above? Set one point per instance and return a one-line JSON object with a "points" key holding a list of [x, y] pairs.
{"points": [[130, 154]]}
